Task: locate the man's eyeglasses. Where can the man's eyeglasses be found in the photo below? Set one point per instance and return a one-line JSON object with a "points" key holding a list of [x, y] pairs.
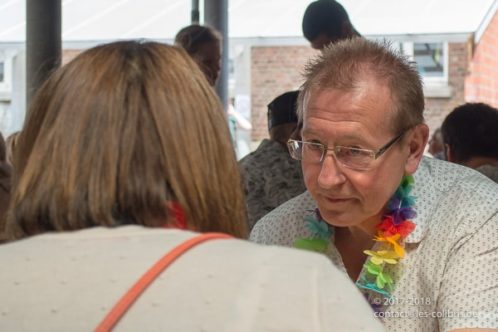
{"points": [[354, 158]]}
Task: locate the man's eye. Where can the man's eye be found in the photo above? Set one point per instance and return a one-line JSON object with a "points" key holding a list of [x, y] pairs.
{"points": [[354, 152], [315, 146], [351, 152]]}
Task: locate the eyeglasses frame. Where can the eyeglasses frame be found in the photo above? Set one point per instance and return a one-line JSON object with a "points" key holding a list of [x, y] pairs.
{"points": [[374, 154]]}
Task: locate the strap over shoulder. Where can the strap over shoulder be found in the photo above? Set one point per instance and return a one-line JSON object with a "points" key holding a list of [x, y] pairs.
{"points": [[122, 306]]}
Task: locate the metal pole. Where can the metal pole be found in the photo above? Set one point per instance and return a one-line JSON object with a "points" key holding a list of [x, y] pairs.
{"points": [[216, 15], [43, 42], [195, 12]]}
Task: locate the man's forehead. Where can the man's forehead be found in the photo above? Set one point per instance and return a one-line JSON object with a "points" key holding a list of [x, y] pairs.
{"points": [[370, 106], [368, 90]]}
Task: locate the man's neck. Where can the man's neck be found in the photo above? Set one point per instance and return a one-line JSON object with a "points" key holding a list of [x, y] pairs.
{"points": [[367, 227], [352, 241], [360, 235]]}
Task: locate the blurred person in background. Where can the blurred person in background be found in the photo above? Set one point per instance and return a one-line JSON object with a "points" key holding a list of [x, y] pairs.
{"points": [[10, 143], [203, 44], [436, 145], [326, 22], [470, 136], [270, 175], [240, 129]]}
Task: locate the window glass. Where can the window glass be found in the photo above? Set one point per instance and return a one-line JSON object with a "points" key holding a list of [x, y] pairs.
{"points": [[429, 58]]}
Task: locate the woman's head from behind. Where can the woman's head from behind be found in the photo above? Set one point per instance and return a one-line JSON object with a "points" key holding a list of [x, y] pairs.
{"points": [[116, 134]]}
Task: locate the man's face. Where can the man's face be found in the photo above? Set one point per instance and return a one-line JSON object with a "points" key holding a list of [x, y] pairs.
{"points": [[208, 57], [361, 119]]}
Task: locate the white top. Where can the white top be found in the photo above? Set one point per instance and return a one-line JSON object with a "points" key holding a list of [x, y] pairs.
{"points": [[449, 276], [69, 281]]}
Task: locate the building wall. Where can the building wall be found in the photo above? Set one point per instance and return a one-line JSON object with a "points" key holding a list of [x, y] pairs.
{"points": [[481, 84], [274, 70], [436, 109], [277, 69]]}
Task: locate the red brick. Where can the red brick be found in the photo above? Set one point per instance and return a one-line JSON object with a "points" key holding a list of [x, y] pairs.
{"points": [[482, 82]]}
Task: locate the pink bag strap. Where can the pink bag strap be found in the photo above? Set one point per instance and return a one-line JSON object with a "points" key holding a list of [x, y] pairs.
{"points": [[122, 306]]}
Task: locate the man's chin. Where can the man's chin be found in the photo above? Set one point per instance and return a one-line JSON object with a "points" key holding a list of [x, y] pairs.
{"points": [[334, 218]]}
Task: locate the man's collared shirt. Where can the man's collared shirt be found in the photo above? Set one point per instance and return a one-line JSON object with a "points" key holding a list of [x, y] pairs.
{"points": [[449, 276]]}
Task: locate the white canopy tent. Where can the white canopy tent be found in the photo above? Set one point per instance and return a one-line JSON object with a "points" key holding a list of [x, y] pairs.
{"points": [[100, 20], [86, 23]]}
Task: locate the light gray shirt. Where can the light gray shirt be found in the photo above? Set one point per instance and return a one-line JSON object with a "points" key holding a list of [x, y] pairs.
{"points": [[449, 276]]}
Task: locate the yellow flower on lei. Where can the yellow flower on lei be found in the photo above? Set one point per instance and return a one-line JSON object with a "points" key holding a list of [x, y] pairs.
{"points": [[382, 256], [393, 240]]}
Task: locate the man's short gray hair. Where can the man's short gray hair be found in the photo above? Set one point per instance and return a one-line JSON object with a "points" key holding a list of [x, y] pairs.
{"points": [[349, 62]]}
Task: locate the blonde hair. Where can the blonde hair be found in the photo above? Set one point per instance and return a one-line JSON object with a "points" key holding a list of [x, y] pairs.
{"points": [[351, 61], [115, 134]]}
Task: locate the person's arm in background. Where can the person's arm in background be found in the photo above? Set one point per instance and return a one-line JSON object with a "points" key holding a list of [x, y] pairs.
{"points": [[242, 122]]}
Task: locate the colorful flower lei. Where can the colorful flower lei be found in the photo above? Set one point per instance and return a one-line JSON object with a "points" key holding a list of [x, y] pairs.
{"points": [[391, 232]]}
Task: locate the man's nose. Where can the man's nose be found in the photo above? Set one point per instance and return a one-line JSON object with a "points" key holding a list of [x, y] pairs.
{"points": [[330, 174]]}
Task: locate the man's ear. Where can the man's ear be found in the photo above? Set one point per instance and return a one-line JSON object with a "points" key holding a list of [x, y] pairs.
{"points": [[417, 141]]}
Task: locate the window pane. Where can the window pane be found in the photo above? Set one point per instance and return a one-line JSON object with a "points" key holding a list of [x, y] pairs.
{"points": [[429, 58]]}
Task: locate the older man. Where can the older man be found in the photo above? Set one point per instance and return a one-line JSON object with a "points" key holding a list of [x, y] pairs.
{"points": [[422, 248]]}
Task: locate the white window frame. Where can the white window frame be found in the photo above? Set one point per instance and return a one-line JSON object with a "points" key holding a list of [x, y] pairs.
{"points": [[433, 86]]}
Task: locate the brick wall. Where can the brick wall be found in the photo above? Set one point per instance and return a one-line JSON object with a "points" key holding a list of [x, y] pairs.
{"points": [[274, 70], [436, 109], [278, 69], [481, 84]]}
